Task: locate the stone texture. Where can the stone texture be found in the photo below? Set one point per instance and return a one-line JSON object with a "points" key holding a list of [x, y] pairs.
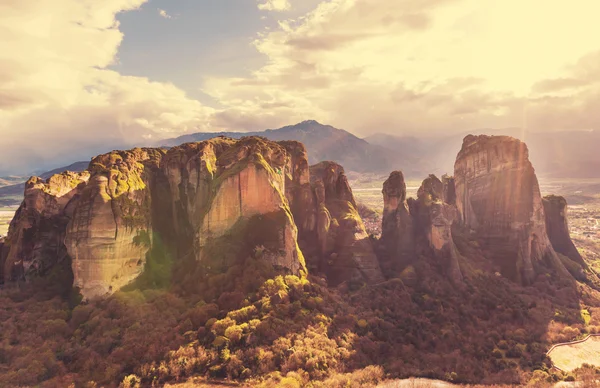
{"points": [[398, 235], [108, 236], [35, 238], [343, 251], [434, 219], [498, 197], [204, 206], [557, 226], [218, 185]]}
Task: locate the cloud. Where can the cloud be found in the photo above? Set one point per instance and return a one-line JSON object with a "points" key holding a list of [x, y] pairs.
{"points": [[275, 5], [424, 65], [59, 101], [164, 14]]}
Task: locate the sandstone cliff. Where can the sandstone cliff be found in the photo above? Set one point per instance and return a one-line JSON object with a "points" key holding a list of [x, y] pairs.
{"points": [[434, 220], [398, 235], [225, 189], [202, 208], [420, 227], [35, 239], [108, 235], [498, 197], [557, 226], [336, 241]]}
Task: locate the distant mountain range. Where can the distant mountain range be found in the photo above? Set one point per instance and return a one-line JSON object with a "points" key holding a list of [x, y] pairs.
{"points": [[566, 154], [323, 142]]}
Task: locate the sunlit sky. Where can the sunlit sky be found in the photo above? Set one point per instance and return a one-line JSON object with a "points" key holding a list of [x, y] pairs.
{"points": [[80, 76]]}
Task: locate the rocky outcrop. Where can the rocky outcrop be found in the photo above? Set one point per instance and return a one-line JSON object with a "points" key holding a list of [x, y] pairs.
{"points": [[110, 232], [398, 235], [337, 242], [234, 189], [498, 197], [211, 204], [34, 244], [557, 226], [434, 220]]}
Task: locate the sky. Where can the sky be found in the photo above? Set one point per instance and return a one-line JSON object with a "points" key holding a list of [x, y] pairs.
{"points": [[79, 77]]}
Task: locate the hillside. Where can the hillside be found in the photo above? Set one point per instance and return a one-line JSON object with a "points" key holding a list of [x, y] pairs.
{"points": [[323, 142]]}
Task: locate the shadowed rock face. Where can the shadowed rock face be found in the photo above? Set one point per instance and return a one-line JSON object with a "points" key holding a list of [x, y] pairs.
{"points": [[421, 227], [398, 237], [341, 247], [498, 196], [434, 218], [35, 239], [557, 225]]}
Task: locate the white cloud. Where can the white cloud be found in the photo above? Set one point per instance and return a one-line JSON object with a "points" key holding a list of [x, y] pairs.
{"points": [[58, 100], [164, 14], [274, 5], [414, 65]]}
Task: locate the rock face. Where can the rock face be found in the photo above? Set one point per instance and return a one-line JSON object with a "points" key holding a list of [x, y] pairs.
{"points": [[226, 189], [34, 244], [333, 234], [108, 236], [212, 204], [498, 197], [434, 219], [398, 235], [557, 226], [421, 227]]}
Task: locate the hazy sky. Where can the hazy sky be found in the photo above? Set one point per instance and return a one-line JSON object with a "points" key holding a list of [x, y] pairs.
{"points": [[78, 76]]}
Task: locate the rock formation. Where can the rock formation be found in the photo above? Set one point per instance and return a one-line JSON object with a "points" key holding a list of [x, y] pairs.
{"points": [[234, 189], [397, 237], [498, 197], [434, 219], [208, 206], [419, 227], [109, 234], [34, 244], [557, 226], [345, 251]]}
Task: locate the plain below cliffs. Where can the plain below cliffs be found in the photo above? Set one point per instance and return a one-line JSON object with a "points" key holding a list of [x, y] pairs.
{"points": [[212, 204]]}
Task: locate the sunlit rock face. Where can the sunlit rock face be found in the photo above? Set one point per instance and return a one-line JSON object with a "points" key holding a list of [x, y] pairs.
{"points": [[341, 247], [557, 225], [34, 244], [234, 189], [498, 197], [398, 236], [108, 236]]}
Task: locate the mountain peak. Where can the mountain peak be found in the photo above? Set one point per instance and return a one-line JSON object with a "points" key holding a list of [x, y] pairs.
{"points": [[310, 122]]}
